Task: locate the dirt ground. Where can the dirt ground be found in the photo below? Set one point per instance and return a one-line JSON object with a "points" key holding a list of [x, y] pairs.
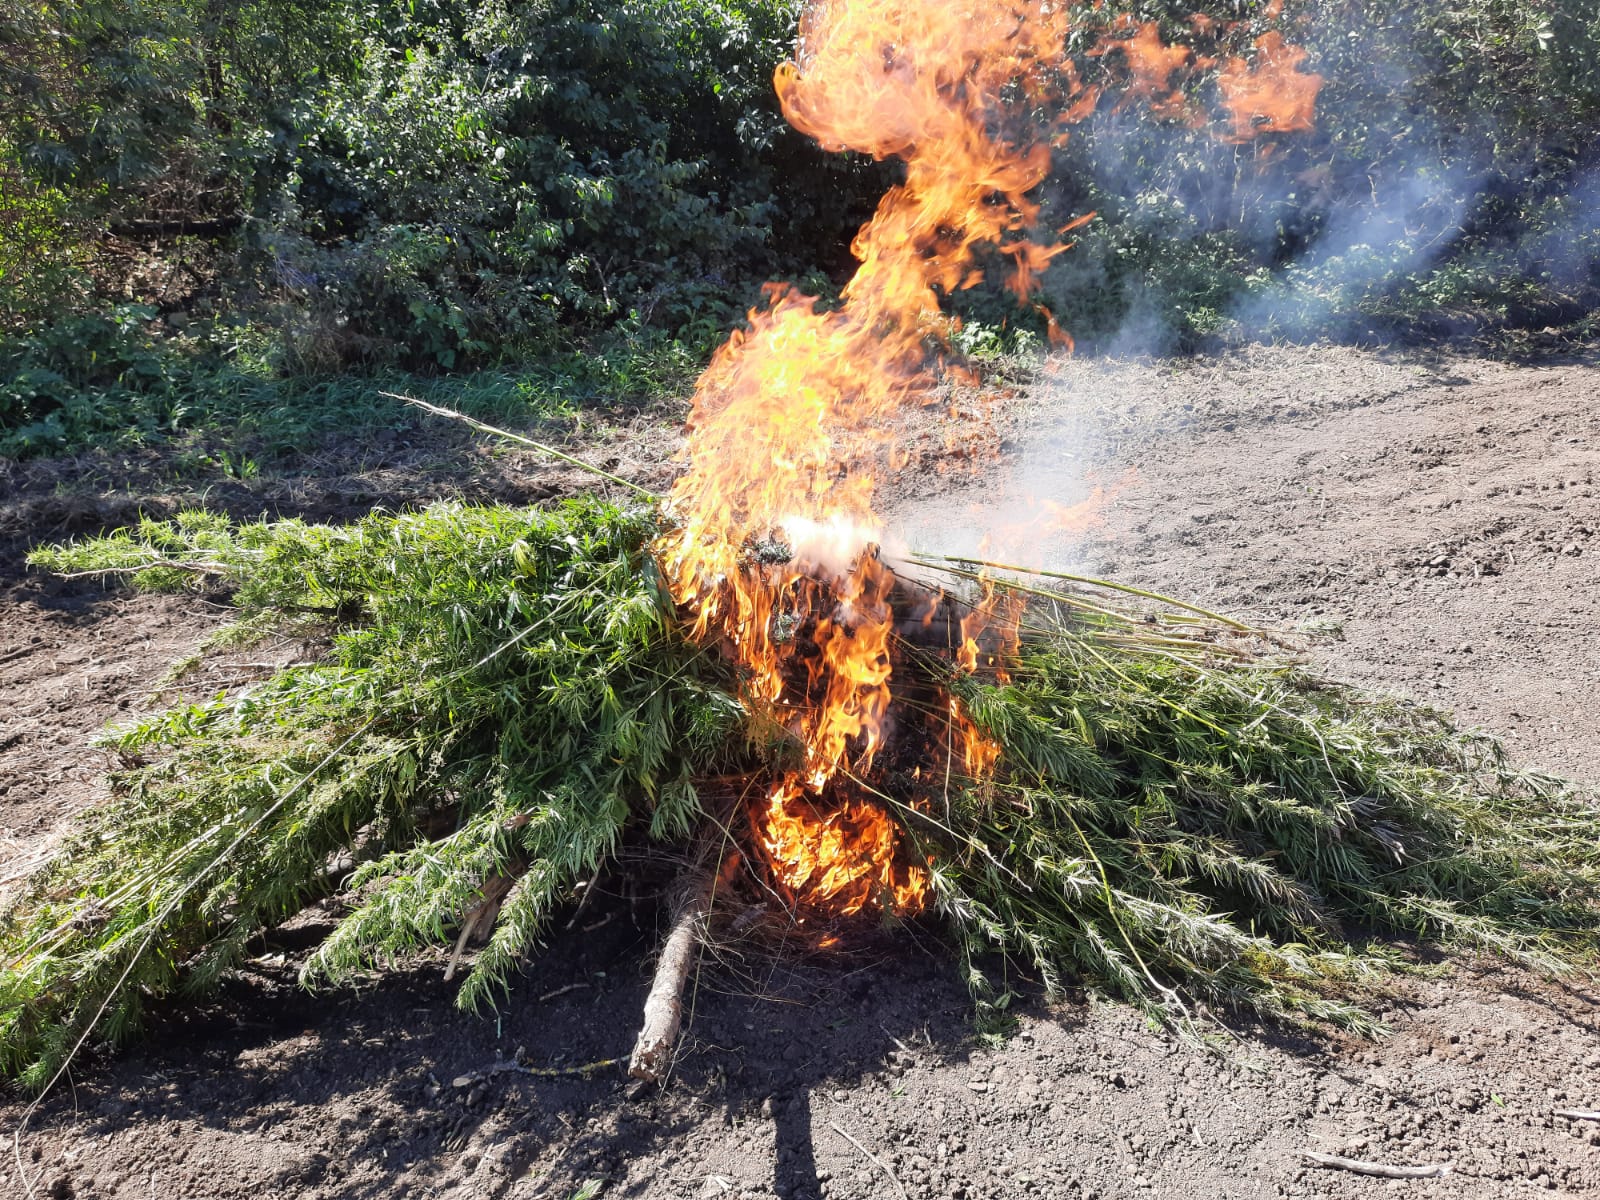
{"points": [[1428, 521]]}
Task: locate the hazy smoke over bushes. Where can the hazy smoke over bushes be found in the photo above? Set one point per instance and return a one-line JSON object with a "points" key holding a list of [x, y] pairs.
{"points": [[1451, 183]]}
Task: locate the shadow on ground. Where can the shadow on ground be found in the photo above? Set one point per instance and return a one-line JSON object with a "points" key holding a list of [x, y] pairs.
{"points": [[410, 1086]]}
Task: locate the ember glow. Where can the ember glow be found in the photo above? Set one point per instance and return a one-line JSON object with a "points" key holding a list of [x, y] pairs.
{"points": [[843, 857], [774, 544]]}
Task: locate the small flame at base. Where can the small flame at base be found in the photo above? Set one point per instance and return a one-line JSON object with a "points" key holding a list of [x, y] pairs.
{"points": [[979, 751], [844, 860]]}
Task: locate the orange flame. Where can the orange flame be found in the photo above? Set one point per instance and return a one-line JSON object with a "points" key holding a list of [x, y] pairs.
{"points": [[980, 753], [991, 631], [1151, 67], [773, 542], [1273, 95], [843, 860], [793, 420], [852, 673]]}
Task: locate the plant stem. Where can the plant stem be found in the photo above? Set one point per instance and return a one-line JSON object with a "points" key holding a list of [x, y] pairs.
{"points": [[485, 427], [1090, 580]]}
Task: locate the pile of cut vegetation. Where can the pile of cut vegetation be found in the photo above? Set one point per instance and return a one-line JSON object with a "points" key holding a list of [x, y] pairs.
{"points": [[503, 705]]}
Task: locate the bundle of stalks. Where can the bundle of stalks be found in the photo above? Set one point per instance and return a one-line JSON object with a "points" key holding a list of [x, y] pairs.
{"points": [[1179, 814]]}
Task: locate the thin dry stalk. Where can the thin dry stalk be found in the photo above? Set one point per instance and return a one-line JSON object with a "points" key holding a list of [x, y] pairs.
{"points": [[1377, 1170], [543, 447], [481, 916], [872, 1158], [937, 559]]}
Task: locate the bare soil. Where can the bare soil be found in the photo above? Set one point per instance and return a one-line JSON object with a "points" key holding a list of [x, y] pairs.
{"points": [[1428, 521]]}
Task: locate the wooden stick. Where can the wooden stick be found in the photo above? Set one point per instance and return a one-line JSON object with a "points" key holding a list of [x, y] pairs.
{"points": [[516, 1066], [165, 564], [1579, 1114], [1380, 1170], [663, 1008], [481, 915], [871, 1157], [562, 991]]}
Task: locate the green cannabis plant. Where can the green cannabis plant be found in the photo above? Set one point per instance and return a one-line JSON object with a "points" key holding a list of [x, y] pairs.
{"points": [[505, 699]]}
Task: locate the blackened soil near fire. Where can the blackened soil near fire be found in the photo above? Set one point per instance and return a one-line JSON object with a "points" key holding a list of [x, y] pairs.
{"points": [[1432, 520]]}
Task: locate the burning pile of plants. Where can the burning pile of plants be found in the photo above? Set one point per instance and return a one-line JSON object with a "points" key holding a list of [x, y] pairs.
{"points": [[1090, 782], [510, 700]]}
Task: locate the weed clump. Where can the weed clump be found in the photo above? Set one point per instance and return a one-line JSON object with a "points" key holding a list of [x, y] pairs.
{"points": [[507, 700], [502, 687]]}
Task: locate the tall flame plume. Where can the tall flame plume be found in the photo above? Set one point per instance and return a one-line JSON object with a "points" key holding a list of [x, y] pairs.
{"points": [[773, 546]]}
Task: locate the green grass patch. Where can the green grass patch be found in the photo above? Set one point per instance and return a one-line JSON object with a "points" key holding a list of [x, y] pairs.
{"points": [[114, 382]]}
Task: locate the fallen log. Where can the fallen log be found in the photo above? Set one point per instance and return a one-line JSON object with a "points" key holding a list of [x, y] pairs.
{"points": [[197, 227]]}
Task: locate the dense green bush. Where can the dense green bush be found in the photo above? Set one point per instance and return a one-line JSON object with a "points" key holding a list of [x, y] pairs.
{"points": [[109, 380], [421, 183], [492, 172], [77, 374], [448, 184]]}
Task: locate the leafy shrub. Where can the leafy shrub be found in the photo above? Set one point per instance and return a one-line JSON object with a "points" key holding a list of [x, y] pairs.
{"points": [[452, 184], [1450, 183], [41, 258], [616, 721], [78, 374], [431, 183], [108, 380]]}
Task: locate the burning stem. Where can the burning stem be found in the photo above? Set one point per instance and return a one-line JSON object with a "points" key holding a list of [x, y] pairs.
{"points": [[1089, 580]]}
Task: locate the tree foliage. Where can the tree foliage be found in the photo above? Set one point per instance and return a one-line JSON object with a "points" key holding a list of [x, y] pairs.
{"points": [[448, 184], [422, 181]]}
